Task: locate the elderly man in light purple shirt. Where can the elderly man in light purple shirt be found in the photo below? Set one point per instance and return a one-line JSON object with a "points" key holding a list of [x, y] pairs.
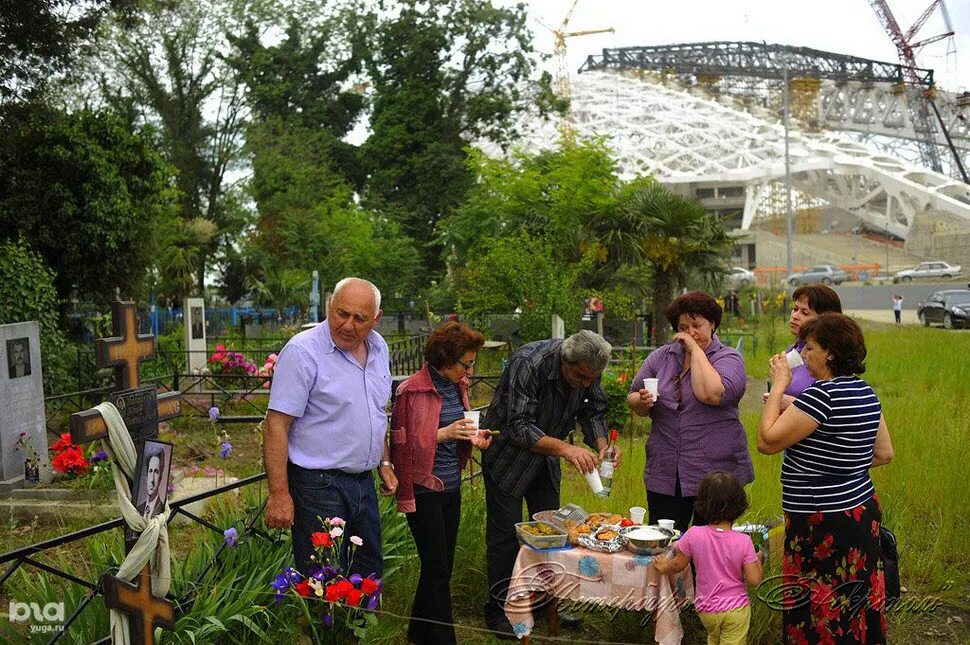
{"points": [[326, 425]]}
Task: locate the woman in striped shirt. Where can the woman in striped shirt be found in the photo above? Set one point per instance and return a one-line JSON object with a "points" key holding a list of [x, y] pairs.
{"points": [[832, 434]]}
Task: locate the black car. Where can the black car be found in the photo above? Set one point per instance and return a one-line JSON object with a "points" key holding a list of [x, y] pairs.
{"points": [[950, 307]]}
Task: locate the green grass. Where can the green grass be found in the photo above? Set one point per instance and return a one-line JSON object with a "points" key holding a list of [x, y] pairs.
{"points": [[920, 375]]}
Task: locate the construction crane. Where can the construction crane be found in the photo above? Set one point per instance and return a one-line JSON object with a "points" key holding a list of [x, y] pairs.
{"points": [[562, 67], [919, 99]]}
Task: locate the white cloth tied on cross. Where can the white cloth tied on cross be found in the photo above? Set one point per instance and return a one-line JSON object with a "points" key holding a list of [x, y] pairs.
{"points": [[152, 545]]}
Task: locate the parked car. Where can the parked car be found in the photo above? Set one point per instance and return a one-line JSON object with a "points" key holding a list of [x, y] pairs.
{"points": [[824, 273], [932, 269], [740, 277], [950, 307]]}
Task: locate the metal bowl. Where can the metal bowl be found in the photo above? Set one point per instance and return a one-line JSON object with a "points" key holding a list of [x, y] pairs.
{"points": [[649, 546]]}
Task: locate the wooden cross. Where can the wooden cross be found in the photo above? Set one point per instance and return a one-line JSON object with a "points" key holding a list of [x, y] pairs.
{"points": [[124, 351], [145, 610]]}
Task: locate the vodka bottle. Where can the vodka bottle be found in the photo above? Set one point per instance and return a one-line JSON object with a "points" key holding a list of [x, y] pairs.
{"points": [[606, 466]]}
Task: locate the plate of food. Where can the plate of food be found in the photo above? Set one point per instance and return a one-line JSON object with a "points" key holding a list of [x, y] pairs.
{"points": [[606, 538], [589, 525]]}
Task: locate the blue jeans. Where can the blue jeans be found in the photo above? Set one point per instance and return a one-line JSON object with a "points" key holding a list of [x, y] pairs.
{"points": [[319, 494]]}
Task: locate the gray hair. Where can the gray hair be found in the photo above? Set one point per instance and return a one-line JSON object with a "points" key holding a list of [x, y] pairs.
{"points": [[346, 282], [587, 347]]}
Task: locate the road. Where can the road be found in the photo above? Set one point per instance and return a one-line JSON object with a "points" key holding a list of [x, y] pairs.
{"points": [[859, 297]]}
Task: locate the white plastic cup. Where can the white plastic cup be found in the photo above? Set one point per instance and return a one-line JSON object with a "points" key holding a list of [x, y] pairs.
{"points": [[666, 524], [651, 385], [594, 481], [637, 513], [794, 359], [474, 416]]}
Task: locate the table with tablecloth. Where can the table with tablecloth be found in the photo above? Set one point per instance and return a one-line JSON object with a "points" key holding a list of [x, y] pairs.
{"points": [[588, 579]]}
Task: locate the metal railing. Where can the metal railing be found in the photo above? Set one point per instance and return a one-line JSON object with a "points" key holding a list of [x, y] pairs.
{"points": [[25, 555]]}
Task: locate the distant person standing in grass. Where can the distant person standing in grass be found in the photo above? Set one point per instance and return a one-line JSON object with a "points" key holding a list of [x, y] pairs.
{"points": [[831, 435], [898, 308]]}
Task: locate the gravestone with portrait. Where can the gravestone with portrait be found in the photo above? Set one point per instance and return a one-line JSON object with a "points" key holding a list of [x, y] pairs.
{"points": [[141, 408], [22, 404], [195, 334]]}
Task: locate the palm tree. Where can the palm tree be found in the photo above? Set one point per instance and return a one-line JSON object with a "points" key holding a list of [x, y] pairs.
{"points": [[279, 287], [670, 235]]}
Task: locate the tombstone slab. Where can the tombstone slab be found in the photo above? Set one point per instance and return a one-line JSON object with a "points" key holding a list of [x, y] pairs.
{"points": [[21, 401], [195, 334]]}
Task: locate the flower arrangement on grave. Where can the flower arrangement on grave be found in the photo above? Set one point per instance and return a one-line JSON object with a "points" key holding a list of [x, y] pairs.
{"points": [[353, 597], [226, 363], [67, 457], [25, 446], [268, 368]]}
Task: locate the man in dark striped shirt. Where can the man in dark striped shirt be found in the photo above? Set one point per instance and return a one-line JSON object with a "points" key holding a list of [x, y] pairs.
{"points": [[547, 387]]}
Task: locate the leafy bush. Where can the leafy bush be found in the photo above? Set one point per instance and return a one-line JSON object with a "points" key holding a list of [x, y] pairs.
{"points": [[27, 293]]}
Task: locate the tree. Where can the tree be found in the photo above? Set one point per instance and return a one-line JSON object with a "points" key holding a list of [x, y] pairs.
{"points": [[40, 39], [522, 272], [676, 237], [27, 293], [444, 75], [553, 194], [86, 193], [165, 68]]}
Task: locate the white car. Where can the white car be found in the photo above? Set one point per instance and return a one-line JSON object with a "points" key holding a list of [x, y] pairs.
{"points": [[740, 277], [932, 269]]}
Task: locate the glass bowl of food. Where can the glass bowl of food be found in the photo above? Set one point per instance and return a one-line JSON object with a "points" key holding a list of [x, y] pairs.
{"points": [[540, 535]]}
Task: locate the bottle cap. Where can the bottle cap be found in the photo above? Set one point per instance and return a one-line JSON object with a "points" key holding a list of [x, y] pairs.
{"points": [[613, 434]]}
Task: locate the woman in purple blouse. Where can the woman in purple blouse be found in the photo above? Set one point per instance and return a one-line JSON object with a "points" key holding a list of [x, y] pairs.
{"points": [[807, 303], [696, 426]]}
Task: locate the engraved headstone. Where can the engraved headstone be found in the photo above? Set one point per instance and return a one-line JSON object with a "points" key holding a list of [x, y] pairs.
{"points": [[21, 401], [195, 333], [139, 409]]}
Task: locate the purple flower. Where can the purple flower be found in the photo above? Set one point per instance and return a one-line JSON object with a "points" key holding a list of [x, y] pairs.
{"points": [[100, 455], [232, 537], [372, 602], [225, 450], [213, 413], [355, 579], [281, 585], [327, 620]]}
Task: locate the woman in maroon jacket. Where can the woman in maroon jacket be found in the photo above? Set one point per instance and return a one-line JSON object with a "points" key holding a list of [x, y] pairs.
{"points": [[430, 445]]}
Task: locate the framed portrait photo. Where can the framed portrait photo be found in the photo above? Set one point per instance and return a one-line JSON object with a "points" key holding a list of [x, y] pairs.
{"points": [[150, 487]]}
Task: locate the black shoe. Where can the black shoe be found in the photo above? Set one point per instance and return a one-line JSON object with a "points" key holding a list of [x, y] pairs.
{"points": [[569, 620], [502, 629]]}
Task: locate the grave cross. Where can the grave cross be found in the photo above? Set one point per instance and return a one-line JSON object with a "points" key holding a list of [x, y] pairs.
{"points": [[145, 610], [124, 352], [141, 409]]}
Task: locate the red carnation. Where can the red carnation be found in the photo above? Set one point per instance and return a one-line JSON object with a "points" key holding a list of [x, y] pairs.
{"points": [[332, 593], [353, 597], [344, 587], [321, 539], [303, 588], [369, 586]]}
